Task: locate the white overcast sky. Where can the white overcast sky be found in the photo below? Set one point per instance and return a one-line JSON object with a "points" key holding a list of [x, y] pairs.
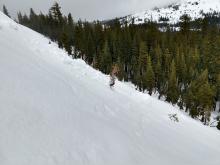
{"points": [[86, 9]]}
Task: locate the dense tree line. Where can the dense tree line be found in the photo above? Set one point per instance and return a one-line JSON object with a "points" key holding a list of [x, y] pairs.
{"points": [[182, 66]]}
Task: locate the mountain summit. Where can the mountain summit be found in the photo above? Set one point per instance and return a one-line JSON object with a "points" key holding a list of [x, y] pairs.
{"points": [[194, 8]]}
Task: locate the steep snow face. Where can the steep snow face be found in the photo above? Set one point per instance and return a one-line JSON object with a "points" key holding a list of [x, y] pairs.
{"points": [[55, 110], [193, 8]]}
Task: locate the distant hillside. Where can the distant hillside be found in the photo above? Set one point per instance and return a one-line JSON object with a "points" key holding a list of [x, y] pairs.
{"points": [[171, 13]]}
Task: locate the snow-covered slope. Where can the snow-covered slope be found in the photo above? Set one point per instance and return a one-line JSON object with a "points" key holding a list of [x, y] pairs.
{"points": [[193, 8], [59, 111]]}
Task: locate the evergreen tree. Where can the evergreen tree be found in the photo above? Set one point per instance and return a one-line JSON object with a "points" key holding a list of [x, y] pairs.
{"points": [[204, 26], [20, 18], [134, 59], [206, 97], [218, 126], [172, 91], [142, 57], [167, 59], [64, 40], [218, 90], [106, 60], [195, 57], [5, 11], [90, 50], [185, 24], [70, 20], [56, 14], [142, 62], [78, 39], [150, 77], [120, 74], [34, 20], [202, 95], [178, 65], [158, 75]]}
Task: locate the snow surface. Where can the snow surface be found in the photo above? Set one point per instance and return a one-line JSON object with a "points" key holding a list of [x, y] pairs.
{"points": [[59, 111], [193, 8]]}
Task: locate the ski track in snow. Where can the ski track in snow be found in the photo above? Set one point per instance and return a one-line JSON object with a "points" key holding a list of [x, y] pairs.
{"points": [[55, 110]]}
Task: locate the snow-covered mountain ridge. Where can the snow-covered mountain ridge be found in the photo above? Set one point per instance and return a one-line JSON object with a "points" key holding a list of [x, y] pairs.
{"points": [[194, 8], [59, 111]]}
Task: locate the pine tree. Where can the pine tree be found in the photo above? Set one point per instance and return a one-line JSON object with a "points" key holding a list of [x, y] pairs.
{"points": [[218, 126], [185, 24], [158, 75], [98, 38], [201, 95], [70, 20], [134, 59], [32, 15], [206, 97], [20, 18], [56, 14], [142, 61], [78, 39], [120, 74], [5, 11], [172, 91], [90, 49], [195, 57], [150, 77], [218, 90], [106, 60], [204, 26], [210, 53], [64, 39], [167, 59], [181, 69], [178, 63], [157, 68], [34, 20]]}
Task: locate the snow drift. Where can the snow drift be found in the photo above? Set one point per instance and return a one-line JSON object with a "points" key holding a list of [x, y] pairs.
{"points": [[59, 111]]}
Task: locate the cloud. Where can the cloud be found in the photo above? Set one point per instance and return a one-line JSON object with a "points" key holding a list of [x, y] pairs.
{"points": [[86, 9]]}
